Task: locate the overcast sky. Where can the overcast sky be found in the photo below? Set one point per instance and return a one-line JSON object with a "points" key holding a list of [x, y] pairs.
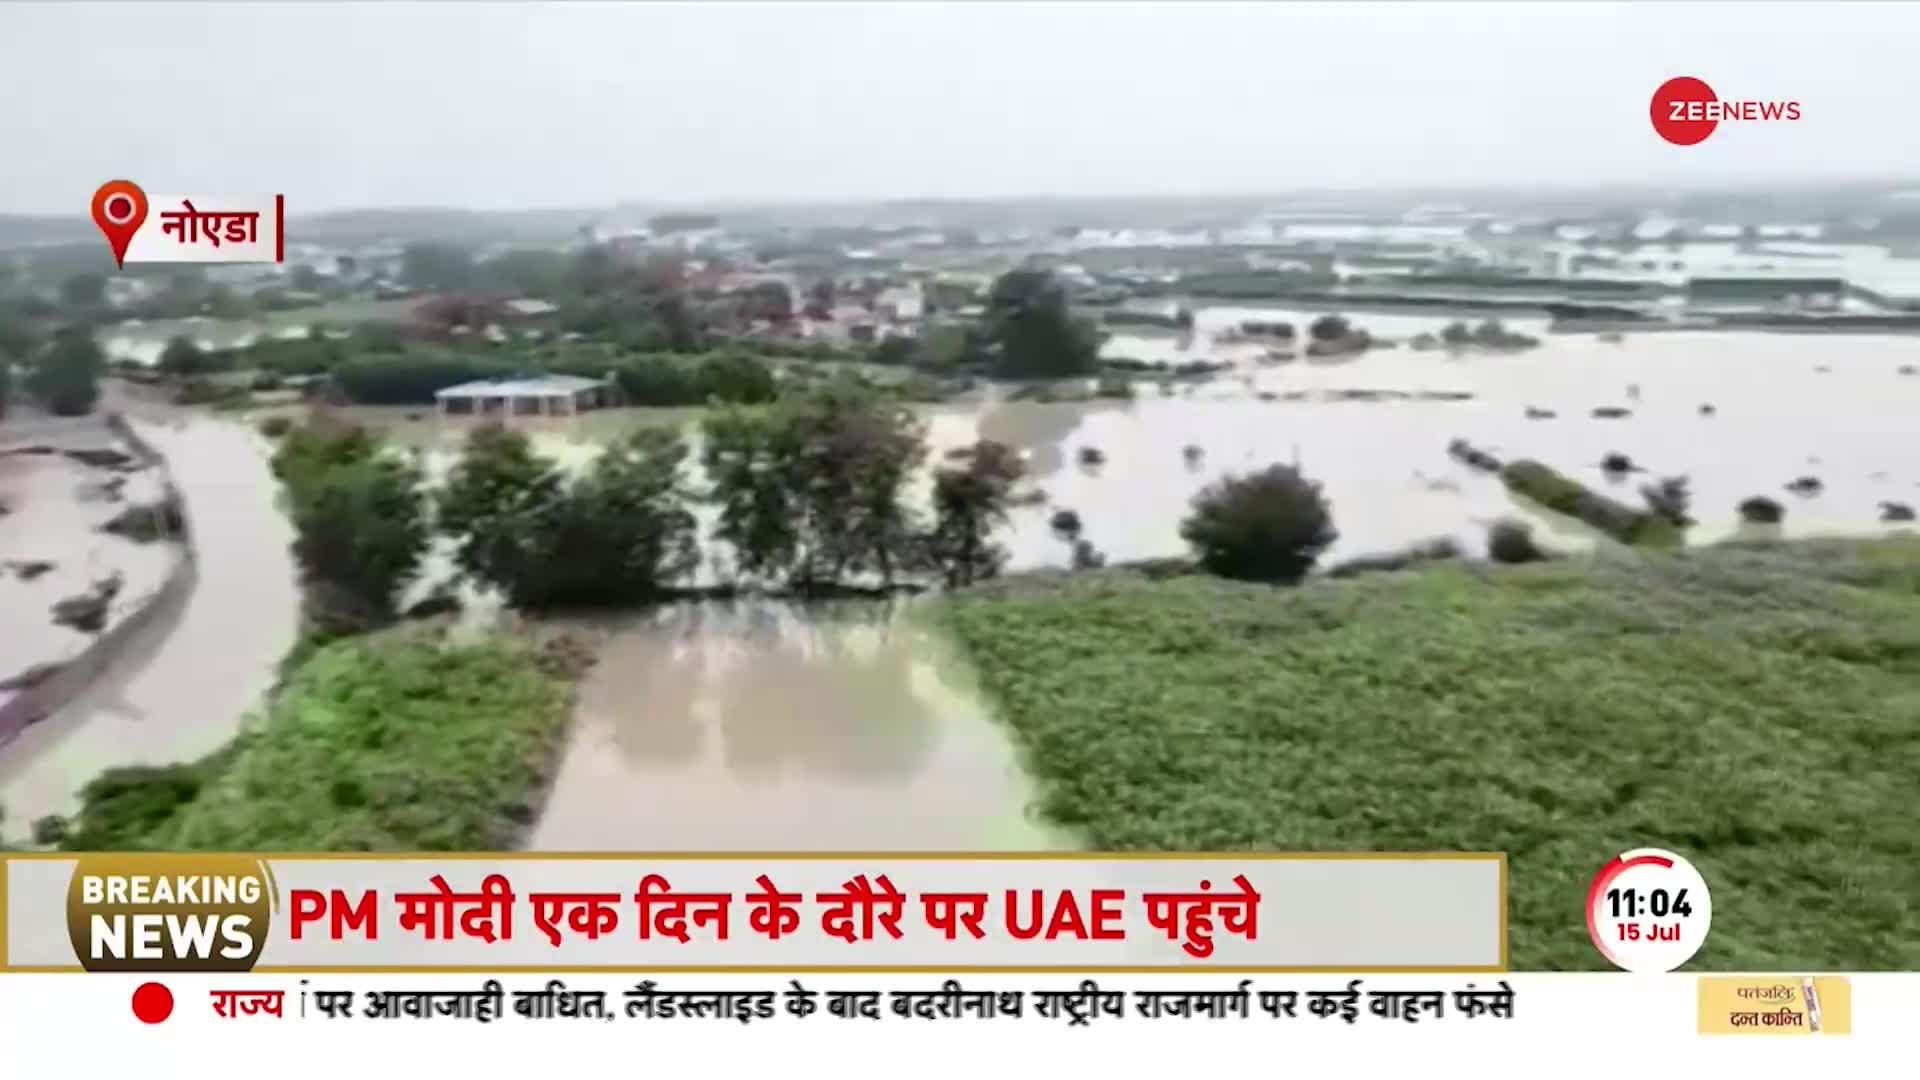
{"points": [[497, 105]]}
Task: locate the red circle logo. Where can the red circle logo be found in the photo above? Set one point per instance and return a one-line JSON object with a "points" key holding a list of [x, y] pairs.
{"points": [[152, 1003], [1680, 111]]}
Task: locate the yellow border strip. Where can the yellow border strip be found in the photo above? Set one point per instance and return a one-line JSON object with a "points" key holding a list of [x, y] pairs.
{"points": [[823, 856]]}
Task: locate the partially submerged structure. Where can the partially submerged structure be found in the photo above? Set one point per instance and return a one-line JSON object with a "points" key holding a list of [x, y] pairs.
{"points": [[537, 395]]}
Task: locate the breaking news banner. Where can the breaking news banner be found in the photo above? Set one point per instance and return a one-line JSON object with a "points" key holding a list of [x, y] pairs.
{"points": [[1248, 913], [189, 228], [484, 961]]}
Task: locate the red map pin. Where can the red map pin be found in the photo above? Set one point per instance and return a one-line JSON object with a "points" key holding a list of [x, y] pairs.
{"points": [[119, 207]]}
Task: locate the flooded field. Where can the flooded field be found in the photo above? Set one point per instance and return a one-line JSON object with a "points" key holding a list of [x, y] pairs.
{"points": [[185, 682], [762, 726], [756, 726], [141, 342]]}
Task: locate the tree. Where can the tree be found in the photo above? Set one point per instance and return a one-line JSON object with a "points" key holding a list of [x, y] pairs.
{"points": [[66, 377], [622, 532], [969, 502], [1031, 332], [182, 357], [360, 534], [1267, 526], [811, 490]]}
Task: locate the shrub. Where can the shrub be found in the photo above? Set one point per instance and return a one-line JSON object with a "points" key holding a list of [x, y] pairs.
{"points": [[1760, 510], [1092, 455], [1511, 541], [1616, 462], [182, 356], [1268, 526], [1114, 386], [273, 427], [361, 529]]}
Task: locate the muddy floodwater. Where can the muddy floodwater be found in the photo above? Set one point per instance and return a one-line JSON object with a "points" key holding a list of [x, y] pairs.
{"points": [[182, 687], [759, 726], [764, 726]]}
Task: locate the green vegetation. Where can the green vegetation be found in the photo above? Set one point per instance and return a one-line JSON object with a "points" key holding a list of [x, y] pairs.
{"points": [[619, 533], [1564, 495], [1030, 333], [1270, 525], [401, 741], [1750, 706], [66, 375], [360, 521], [811, 489], [970, 501]]}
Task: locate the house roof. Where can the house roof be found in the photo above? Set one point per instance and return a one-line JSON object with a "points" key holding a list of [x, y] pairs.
{"points": [[536, 386], [527, 306]]}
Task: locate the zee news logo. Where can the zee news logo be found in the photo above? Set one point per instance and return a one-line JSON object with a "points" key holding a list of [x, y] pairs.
{"points": [[1686, 110], [187, 913]]}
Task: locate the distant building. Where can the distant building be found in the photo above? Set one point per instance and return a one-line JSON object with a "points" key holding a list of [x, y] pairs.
{"points": [[542, 395]]}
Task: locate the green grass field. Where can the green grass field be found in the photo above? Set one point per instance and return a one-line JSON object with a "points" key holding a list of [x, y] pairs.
{"points": [[397, 741], [1755, 708]]}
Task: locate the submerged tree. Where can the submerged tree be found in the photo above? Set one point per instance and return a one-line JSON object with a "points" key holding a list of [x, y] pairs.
{"points": [[1031, 332], [810, 491], [620, 532], [969, 502]]}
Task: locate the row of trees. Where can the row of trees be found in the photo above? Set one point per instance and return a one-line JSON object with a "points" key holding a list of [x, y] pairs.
{"points": [[810, 494]]}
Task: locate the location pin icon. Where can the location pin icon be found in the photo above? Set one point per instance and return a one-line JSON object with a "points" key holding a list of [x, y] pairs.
{"points": [[119, 208]]}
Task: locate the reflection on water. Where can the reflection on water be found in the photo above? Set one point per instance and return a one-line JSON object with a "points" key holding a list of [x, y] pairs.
{"points": [[184, 684], [760, 726]]}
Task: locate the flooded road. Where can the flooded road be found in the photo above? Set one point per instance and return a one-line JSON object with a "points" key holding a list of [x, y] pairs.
{"points": [[187, 679], [757, 726]]}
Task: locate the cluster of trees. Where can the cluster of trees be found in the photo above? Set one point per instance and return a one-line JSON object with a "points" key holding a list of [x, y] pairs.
{"points": [[810, 494], [63, 374], [361, 522]]}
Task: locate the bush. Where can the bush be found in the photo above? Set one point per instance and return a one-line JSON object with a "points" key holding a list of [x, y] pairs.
{"points": [[1114, 386], [1511, 541], [1268, 526], [273, 427], [182, 356], [1086, 556], [359, 518], [1760, 510]]}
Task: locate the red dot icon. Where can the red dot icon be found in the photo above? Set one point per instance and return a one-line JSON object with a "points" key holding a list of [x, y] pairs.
{"points": [[152, 1003], [1680, 111]]}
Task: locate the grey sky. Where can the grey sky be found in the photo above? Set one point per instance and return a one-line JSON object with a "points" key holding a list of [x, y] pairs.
{"points": [[500, 105]]}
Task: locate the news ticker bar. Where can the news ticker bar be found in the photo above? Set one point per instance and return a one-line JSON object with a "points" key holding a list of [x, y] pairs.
{"points": [[1723, 1005], [892, 912]]}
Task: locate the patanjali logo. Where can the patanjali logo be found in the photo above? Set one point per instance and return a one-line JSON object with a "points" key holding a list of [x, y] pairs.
{"points": [[1686, 110], [188, 913]]}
